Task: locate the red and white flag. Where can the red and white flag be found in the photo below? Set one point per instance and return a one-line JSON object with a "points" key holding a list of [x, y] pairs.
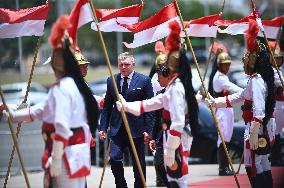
{"points": [[153, 28], [80, 15], [235, 27], [24, 22], [202, 27], [108, 18]]}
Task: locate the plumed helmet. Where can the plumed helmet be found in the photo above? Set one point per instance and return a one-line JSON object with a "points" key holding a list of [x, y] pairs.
{"points": [[173, 46], [57, 39], [161, 53], [254, 47]]}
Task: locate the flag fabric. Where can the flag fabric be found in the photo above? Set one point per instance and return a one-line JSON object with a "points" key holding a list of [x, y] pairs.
{"points": [[202, 27], [80, 15], [153, 28], [24, 22], [108, 18], [235, 27]]}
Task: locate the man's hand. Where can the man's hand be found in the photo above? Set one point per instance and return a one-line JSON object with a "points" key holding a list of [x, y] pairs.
{"points": [[102, 135], [146, 137], [152, 145]]}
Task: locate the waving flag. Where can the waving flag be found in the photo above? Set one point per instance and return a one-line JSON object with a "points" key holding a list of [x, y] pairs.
{"points": [[80, 15], [153, 28], [108, 18], [235, 27], [202, 27], [24, 22]]}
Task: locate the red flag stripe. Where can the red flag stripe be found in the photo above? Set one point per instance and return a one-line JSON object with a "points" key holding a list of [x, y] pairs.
{"points": [[80, 15], [130, 11], [275, 22], [35, 13], [167, 13], [209, 20]]}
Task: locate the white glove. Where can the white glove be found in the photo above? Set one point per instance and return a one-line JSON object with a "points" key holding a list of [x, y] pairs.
{"points": [[219, 102], [131, 107], [253, 137], [173, 143], [18, 115], [169, 156], [198, 96], [55, 161]]}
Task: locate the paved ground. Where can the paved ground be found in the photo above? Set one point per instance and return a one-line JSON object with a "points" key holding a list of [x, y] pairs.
{"points": [[196, 173]]}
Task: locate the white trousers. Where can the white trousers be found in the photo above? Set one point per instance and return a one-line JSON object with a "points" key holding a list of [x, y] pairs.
{"points": [[63, 180], [262, 162], [279, 117], [225, 118], [186, 142]]}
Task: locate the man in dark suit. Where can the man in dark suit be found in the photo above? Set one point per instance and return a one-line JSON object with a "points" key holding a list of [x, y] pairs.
{"points": [[133, 86]]}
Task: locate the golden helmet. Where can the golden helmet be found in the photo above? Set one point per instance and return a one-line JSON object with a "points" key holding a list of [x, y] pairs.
{"points": [[173, 61], [223, 58], [80, 58], [161, 59]]}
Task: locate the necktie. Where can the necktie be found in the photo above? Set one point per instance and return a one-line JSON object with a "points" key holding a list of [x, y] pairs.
{"points": [[124, 86]]}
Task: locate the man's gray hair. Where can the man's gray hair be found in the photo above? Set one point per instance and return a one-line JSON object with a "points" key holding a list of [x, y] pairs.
{"points": [[126, 55]]}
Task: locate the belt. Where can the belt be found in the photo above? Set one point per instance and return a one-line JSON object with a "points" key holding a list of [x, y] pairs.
{"points": [[48, 133]]}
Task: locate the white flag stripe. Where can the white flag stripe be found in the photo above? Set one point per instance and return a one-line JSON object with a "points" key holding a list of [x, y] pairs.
{"points": [[111, 24], [86, 15], [152, 34], [270, 32], [25, 28], [236, 29], [201, 30]]}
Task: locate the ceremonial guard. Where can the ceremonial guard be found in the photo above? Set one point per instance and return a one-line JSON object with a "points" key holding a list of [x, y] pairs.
{"points": [[179, 107], [156, 143], [69, 116], [276, 154], [221, 86], [259, 103]]}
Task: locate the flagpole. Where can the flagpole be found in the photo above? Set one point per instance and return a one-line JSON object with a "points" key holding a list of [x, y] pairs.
{"points": [[14, 140], [207, 95], [267, 46], [105, 163], [24, 101], [125, 122]]}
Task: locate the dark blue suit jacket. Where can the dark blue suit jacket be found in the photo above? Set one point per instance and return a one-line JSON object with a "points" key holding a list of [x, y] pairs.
{"points": [[140, 88]]}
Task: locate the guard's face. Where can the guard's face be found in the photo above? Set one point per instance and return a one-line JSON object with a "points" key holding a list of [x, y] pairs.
{"points": [[162, 79], [126, 66], [224, 67], [84, 69]]}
